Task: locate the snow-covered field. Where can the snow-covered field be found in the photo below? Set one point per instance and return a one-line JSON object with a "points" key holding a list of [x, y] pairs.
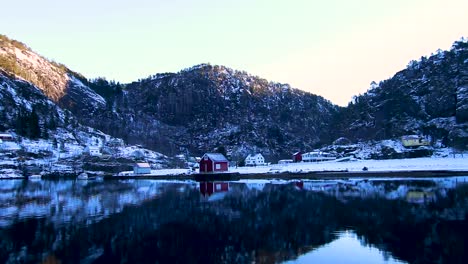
{"points": [[418, 164]]}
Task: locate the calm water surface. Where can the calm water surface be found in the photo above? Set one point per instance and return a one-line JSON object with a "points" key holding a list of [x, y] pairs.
{"points": [[144, 221]]}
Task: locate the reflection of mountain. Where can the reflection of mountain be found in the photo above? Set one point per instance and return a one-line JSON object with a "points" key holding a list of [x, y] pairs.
{"points": [[350, 250], [278, 223], [419, 191], [66, 201]]}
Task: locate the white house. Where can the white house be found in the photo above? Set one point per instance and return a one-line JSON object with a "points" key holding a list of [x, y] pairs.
{"points": [[93, 150], [414, 141], [255, 160]]}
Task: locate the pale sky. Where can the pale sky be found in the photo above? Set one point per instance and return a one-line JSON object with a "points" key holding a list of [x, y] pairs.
{"points": [[333, 48]]}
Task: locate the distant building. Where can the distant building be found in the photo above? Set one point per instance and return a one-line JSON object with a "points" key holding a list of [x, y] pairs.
{"points": [[142, 168], [414, 141], [315, 156], [255, 160], [285, 161], [6, 137], [297, 157], [213, 162], [115, 142], [93, 150], [138, 154]]}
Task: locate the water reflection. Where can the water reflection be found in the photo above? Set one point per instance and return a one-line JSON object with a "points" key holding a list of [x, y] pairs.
{"points": [[347, 248], [144, 221], [214, 190], [77, 202]]}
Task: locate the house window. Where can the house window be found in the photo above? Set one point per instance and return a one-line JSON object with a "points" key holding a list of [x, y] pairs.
{"points": [[218, 186], [218, 166]]}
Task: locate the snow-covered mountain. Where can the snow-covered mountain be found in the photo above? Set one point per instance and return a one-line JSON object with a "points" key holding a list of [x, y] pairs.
{"points": [[429, 97], [207, 107], [211, 107]]}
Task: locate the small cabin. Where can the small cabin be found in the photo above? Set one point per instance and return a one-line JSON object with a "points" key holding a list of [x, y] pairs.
{"points": [[93, 150], [213, 162], [285, 161], [142, 168], [255, 160], [297, 157], [414, 141]]}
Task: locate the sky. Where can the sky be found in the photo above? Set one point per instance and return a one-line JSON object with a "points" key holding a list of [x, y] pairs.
{"points": [[332, 48]]}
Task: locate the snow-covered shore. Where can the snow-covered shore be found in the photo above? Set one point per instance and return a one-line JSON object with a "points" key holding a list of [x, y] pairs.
{"points": [[458, 163]]}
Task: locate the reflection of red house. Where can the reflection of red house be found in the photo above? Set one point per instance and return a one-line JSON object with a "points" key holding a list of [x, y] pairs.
{"points": [[213, 162], [209, 188], [299, 185], [297, 157]]}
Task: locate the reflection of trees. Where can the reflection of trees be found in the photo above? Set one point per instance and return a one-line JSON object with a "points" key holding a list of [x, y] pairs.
{"points": [[436, 233], [272, 225]]}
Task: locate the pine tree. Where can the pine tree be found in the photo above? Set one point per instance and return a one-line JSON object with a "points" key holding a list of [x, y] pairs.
{"points": [[34, 130]]}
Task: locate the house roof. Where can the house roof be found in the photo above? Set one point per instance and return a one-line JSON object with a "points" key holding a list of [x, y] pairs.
{"points": [[215, 157], [297, 153], [143, 165], [407, 137], [93, 147], [254, 156]]}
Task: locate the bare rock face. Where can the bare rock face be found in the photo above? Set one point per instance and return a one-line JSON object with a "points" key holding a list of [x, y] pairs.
{"points": [[17, 58]]}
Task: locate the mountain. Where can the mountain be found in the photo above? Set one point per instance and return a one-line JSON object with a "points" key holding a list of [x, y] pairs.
{"points": [[210, 107], [207, 107], [35, 93], [26, 110], [33, 96], [429, 97], [200, 109]]}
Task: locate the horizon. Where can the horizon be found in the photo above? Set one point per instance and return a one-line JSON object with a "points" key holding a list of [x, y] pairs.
{"points": [[333, 49]]}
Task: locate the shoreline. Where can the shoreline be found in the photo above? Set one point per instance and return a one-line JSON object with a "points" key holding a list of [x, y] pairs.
{"points": [[315, 175], [235, 176]]}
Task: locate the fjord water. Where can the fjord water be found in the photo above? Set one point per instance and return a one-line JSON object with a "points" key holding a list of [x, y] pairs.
{"points": [[145, 221]]}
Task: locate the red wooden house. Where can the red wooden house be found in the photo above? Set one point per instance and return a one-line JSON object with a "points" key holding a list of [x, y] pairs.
{"points": [[297, 157], [213, 162]]}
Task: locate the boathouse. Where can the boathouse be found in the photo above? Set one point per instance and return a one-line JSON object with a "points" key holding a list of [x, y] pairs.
{"points": [[213, 162], [297, 157], [142, 168]]}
